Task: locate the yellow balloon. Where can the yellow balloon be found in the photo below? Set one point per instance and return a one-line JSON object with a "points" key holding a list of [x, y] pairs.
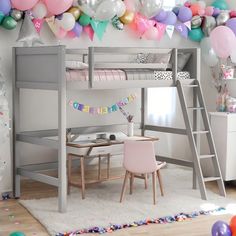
{"points": [[127, 18], [75, 12]]}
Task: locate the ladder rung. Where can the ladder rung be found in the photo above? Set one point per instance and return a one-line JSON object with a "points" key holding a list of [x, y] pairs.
{"points": [[208, 179], [206, 156], [196, 108], [190, 85], [201, 132]]}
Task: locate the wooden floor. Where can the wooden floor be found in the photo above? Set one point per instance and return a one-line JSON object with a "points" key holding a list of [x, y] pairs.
{"points": [[13, 217]]}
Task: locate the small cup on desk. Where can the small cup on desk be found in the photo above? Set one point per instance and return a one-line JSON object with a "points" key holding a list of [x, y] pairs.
{"points": [[130, 129]]}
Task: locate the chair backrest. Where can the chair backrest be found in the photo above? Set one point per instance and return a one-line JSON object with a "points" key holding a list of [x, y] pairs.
{"points": [[139, 156]]}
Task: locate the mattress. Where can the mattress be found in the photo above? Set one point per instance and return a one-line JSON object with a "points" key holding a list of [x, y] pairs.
{"points": [[128, 74]]}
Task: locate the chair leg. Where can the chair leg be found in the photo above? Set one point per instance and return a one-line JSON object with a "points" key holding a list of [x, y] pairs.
{"points": [[154, 176], [82, 177], [108, 165], [131, 183], [69, 166], [145, 181], [124, 186], [160, 182], [99, 167]]}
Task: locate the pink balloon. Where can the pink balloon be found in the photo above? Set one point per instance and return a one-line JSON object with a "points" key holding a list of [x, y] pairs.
{"points": [[57, 7], [152, 33], [23, 4], [61, 33], [222, 40], [71, 34], [209, 11], [130, 5]]}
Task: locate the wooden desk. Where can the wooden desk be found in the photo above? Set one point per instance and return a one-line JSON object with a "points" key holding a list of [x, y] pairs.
{"points": [[95, 149]]}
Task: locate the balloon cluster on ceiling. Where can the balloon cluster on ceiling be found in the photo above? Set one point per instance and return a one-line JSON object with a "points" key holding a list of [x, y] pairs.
{"points": [[214, 26]]}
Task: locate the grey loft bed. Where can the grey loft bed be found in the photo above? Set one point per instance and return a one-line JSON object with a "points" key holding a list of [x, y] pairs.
{"points": [[44, 68]]}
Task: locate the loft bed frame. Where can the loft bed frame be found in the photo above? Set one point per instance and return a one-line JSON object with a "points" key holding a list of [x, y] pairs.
{"points": [[44, 68]]}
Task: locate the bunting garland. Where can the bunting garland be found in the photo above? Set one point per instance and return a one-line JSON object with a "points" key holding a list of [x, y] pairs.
{"points": [[103, 110]]}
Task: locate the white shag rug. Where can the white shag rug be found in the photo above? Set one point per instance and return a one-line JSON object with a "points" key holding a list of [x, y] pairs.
{"points": [[101, 206]]}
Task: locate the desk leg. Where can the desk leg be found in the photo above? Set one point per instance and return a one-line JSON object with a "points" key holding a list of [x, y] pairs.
{"points": [[82, 177], [69, 166], [99, 168], [108, 165]]}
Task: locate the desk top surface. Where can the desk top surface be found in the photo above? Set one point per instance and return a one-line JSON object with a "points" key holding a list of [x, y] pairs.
{"points": [[107, 142]]}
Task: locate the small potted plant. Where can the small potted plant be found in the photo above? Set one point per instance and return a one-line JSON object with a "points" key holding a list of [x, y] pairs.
{"points": [[130, 127]]}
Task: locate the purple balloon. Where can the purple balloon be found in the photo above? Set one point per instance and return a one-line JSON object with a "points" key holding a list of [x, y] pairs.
{"points": [[77, 29], [5, 6], [220, 228], [216, 12], [162, 15], [185, 14], [170, 19], [176, 10], [182, 29], [231, 23]]}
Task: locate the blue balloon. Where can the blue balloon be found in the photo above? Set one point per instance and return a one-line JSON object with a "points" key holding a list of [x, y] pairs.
{"points": [[196, 34], [5, 6], [220, 228], [221, 4]]}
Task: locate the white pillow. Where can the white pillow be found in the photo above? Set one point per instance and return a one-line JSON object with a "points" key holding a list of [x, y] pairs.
{"points": [[73, 65]]}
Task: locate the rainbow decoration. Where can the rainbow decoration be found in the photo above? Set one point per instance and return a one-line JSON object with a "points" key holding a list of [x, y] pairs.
{"points": [[102, 110], [163, 220]]}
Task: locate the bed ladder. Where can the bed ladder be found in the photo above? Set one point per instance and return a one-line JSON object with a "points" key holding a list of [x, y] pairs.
{"points": [[193, 135]]}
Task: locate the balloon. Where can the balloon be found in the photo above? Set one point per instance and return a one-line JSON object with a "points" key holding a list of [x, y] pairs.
{"points": [[202, 4], [5, 6], [221, 4], [196, 22], [196, 34], [195, 8], [23, 4], [61, 33], [209, 11], [127, 18], [78, 29], [75, 12], [120, 8], [17, 233], [233, 59], [1, 17], [222, 18], [208, 54], [232, 14], [84, 20], [220, 228], [151, 34], [185, 14], [105, 10], [208, 24], [9, 23], [216, 12], [67, 22], [150, 8], [88, 6], [39, 10], [171, 18], [71, 34], [222, 39], [161, 16], [17, 15], [117, 23], [187, 4], [132, 5], [176, 10], [182, 29], [233, 224], [231, 23], [57, 7]]}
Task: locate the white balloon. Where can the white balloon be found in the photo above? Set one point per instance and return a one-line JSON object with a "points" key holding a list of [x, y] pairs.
{"points": [[233, 53], [39, 10], [105, 10], [67, 22], [120, 8], [150, 8], [202, 4]]}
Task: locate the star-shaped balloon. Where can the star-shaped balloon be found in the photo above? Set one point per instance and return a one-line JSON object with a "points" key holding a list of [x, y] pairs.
{"points": [[28, 34]]}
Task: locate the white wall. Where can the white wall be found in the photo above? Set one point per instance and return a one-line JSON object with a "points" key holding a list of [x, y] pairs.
{"points": [[35, 115]]}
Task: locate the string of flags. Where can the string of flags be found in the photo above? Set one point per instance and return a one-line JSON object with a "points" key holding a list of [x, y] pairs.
{"points": [[102, 110]]}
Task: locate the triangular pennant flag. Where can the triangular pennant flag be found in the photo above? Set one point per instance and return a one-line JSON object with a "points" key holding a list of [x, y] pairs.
{"points": [[99, 27], [188, 24], [89, 31], [161, 29], [51, 24], [38, 23], [170, 30], [28, 34]]}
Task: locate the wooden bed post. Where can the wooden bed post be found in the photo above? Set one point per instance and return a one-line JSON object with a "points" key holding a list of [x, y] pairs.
{"points": [[15, 121], [62, 176]]}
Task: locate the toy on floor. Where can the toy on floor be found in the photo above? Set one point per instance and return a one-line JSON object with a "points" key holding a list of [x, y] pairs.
{"points": [[17, 233]]}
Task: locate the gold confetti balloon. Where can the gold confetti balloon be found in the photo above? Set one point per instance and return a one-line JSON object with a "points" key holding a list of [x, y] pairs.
{"points": [[127, 18], [75, 12]]}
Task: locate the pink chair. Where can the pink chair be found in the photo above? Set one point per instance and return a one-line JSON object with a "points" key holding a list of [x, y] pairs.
{"points": [[139, 161]]}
